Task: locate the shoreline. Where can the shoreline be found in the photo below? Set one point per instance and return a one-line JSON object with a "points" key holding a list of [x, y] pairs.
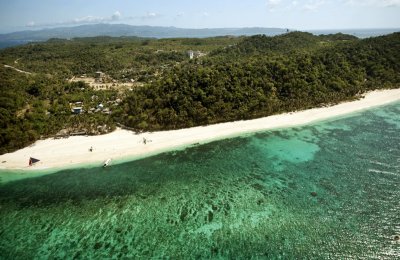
{"points": [[123, 145]]}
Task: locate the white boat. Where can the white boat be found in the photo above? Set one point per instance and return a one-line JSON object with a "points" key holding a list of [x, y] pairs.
{"points": [[107, 162]]}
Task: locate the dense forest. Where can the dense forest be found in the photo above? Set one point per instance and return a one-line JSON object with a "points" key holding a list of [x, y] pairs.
{"points": [[263, 75], [229, 78]]}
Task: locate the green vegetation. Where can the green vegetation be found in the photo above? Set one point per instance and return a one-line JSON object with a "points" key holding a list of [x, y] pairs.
{"points": [[238, 78], [122, 58], [263, 75], [39, 106]]}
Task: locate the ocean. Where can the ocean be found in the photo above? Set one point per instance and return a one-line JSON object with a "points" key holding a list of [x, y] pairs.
{"points": [[359, 33], [329, 190]]}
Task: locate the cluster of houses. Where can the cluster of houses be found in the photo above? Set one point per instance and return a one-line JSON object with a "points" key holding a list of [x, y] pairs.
{"points": [[77, 107]]}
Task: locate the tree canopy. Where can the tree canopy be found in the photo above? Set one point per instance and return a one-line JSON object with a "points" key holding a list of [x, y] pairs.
{"points": [[231, 78]]}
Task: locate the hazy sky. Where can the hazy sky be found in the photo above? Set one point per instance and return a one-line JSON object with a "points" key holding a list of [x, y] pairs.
{"points": [[16, 15]]}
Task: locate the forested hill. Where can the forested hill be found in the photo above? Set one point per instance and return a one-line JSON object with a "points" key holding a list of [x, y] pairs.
{"points": [[152, 84], [294, 41], [263, 75]]}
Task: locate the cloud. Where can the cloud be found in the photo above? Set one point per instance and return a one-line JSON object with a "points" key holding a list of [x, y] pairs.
{"points": [[285, 5], [89, 19], [148, 15], [376, 3], [390, 3], [206, 14], [313, 5], [151, 15], [96, 19], [272, 4], [116, 16]]}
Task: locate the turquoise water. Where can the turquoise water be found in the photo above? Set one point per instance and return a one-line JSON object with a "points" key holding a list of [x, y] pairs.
{"points": [[324, 191]]}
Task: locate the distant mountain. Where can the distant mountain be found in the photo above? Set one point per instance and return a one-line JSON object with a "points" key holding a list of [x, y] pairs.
{"points": [[117, 30]]}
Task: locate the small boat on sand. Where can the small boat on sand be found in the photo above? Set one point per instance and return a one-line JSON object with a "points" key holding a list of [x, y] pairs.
{"points": [[32, 161], [107, 163]]}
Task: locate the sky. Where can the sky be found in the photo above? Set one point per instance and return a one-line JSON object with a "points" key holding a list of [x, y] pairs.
{"points": [[18, 15]]}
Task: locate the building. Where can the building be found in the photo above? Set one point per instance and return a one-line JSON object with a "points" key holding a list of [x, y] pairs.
{"points": [[191, 54], [195, 54], [76, 107], [77, 110], [99, 74]]}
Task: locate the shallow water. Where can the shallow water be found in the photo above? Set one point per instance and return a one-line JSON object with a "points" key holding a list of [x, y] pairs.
{"points": [[327, 191]]}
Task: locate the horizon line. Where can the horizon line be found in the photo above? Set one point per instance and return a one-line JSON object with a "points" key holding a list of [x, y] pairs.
{"points": [[202, 28]]}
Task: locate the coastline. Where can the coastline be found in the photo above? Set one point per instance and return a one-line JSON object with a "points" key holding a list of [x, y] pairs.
{"points": [[123, 145]]}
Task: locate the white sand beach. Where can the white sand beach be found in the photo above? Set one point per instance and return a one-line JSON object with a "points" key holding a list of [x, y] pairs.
{"points": [[123, 144]]}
